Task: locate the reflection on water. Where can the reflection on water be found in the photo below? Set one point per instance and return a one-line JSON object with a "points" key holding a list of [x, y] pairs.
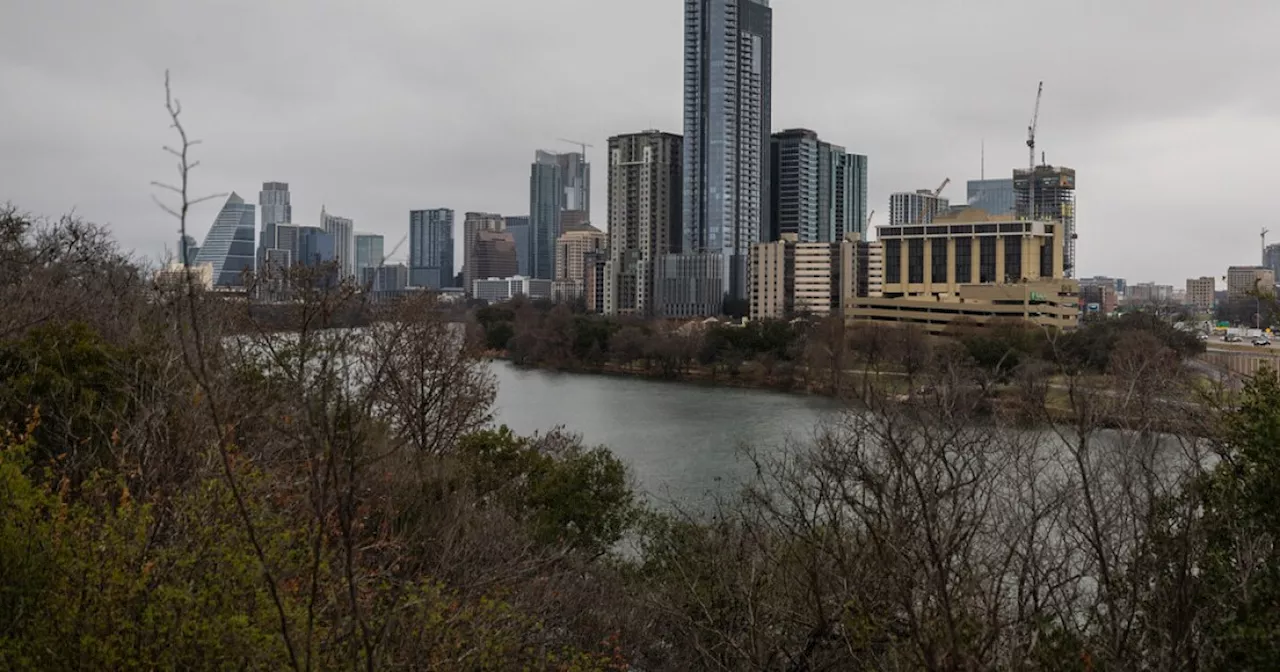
{"points": [[679, 440]]}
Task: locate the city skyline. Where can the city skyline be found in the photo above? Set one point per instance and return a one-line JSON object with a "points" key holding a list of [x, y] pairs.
{"points": [[384, 144]]}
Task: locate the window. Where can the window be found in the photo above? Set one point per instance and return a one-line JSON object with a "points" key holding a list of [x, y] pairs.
{"points": [[987, 260], [1012, 259], [893, 261], [939, 261], [915, 260], [1046, 258], [964, 260]]}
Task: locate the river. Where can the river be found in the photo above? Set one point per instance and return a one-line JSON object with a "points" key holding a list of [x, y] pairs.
{"points": [[680, 440]]}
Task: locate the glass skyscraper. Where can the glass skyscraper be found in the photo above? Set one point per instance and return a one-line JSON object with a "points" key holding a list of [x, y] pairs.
{"points": [[546, 201], [996, 197], [369, 252], [819, 189], [518, 227], [275, 209], [431, 248], [229, 245], [727, 101]]}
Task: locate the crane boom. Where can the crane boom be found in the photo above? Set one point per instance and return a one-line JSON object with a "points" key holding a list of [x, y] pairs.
{"points": [[579, 143], [1031, 153], [938, 192], [395, 249]]}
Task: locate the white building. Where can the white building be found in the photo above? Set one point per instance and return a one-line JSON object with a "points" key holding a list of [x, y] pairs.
{"points": [[344, 241], [495, 290]]}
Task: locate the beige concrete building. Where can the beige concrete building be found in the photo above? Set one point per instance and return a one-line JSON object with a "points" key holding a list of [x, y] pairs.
{"points": [[1244, 279], [1200, 293], [645, 201], [171, 276], [969, 264], [871, 269], [791, 278], [572, 249]]}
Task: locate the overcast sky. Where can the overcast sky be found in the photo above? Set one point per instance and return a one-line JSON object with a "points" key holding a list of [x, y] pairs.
{"points": [[1168, 109]]}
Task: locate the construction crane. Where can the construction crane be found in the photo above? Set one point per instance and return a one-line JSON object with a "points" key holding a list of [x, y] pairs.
{"points": [[938, 192], [579, 143], [869, 218], [1265, 231], [1031, 153], [393, 251]]}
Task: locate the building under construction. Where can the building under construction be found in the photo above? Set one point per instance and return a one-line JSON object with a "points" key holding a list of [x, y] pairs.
{"points": [[1054, 199]]}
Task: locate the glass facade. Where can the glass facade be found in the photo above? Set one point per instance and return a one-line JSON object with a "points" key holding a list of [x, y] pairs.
{"points": [[229, 245], [987, 259], [1012, 259], [994, 196], [938, 260], [546, 202], [369, 252], [892, 261], [727, 126], [431, 248], [964, 260], [518, 227]]}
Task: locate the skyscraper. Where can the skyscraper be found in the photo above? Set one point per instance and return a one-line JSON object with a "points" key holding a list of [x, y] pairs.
{"points": [[472, 225], [644, 217], [518, 227], [727, 101], [919, 207], [344, 241], [431, 248], [1050, 194], [493, 255], [576, 176], [996, 196], [546, 201], [229, 244], [369, 252], [819, 189], [273, 202]]}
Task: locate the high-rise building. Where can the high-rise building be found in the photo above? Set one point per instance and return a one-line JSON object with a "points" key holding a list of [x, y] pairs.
{"points": [[576, 177], [596, 285], [1200, 293], [644, 217], [546, 202], [1271, 258], [493, 255], [1054, 190], [369, 252], [275, 208], [229, 245], [472, 224], [995, 197], [819, 189], [572, 249], [728, 87], [1241, 280], [316, 246], [1150, 293], [870, 269], [920, 207], [431, 248], [791, 278], [518, 227], [344, 241]]}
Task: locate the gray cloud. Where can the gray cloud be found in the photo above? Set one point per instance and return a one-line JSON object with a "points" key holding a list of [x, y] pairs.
{"points": [[374, 108]]}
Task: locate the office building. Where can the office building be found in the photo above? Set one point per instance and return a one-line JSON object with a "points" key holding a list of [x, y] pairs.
{"points": [[1049, 193], [229, 245], [1120, 285], [1099, 298], [1150, 293], [728, 93], [819, 189], [431, 248], [644, 217], [472, 224], [974, 266], [495, 290], [995, 197], [518, 227], [791, 278], [690, 285], [343, 230], [274, 208], [173, 276], [575, 174], [369, 252], [316, 247], [919, 207], [1244, 281], [572, 248], [385, 278], [1271, 258], [546, 203], [1200, 293], [574, 220], [493, 255]]}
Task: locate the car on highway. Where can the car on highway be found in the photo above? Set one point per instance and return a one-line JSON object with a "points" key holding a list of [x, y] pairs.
{"points": [[1261, 341], [1231, 338]]}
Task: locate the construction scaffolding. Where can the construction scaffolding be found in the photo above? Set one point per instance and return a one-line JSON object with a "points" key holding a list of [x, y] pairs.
{"points": [[1054, 201]]}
